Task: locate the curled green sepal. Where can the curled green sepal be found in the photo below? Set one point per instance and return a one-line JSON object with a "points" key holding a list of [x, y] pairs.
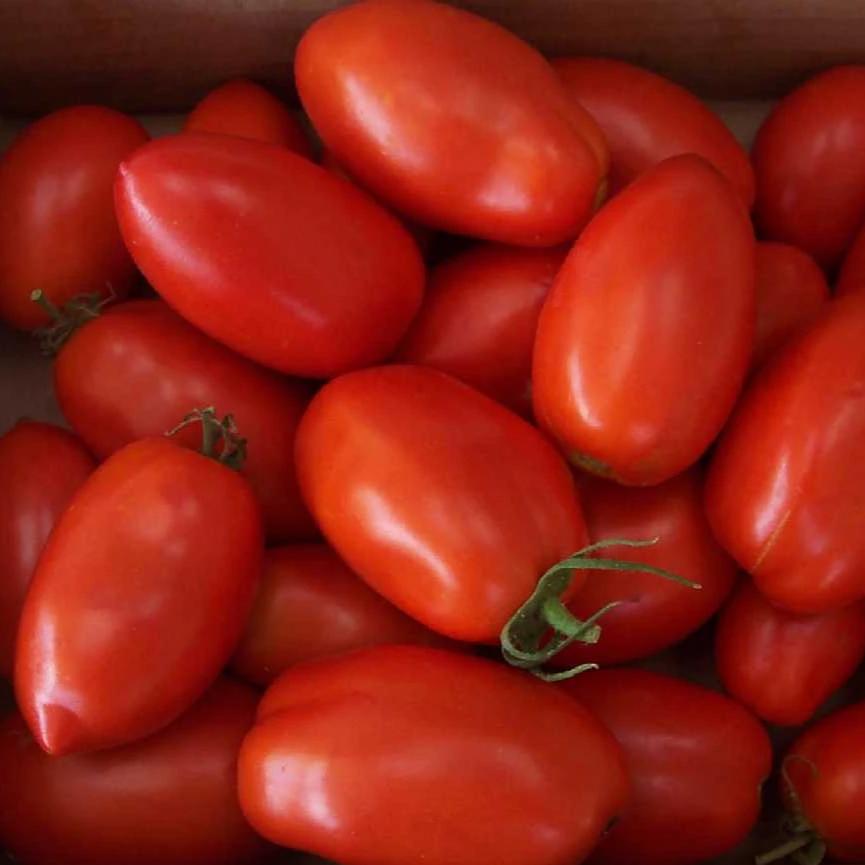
{"points": [[214, 431], [66, 319], [543, 626]]}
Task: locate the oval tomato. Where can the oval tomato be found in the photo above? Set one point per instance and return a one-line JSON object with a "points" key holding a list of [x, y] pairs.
{"points": [[58, 232], [452, 120], [784, 666], [139, 597], [41, 466], [697, 761], [410, 472], [248, 110], [791, 292], [786, 490], [479, 318], [310, 605], [145, 349], [809, 168], [479, 759], [646, 119], [269, 253], [171, 798], [653, 613], [646, 335]]}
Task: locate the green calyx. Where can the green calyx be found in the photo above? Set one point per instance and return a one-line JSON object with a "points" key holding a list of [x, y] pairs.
{"points": [[543, 626], [220, 439], [66, 319]]}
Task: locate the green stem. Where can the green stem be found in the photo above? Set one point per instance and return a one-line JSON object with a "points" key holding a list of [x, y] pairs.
{"points": [[213, 432], [65, 320]]}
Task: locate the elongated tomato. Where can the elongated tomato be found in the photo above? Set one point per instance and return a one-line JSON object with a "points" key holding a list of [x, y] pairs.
{"points": [[440, 746], [646, 119], [446, 503], [41, 467], [138, 368], [269, 253], [139, 597], [786, 488], [647, 332], [452, 120]]}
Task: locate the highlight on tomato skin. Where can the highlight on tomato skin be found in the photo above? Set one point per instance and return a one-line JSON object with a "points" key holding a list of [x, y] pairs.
{"points": [[351, 755]]}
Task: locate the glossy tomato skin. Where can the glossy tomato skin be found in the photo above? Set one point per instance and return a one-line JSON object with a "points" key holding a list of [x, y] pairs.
{"points": [[478, 759], [310, 605], [269, 253], [781, 665], [248, 110], [479, 318], [647, 118], [807, 160], [646, 335], [143, 348], [170, 798], [139, 597], [41, 467], [58, 231], [791, 292], [402, 93], [786, 486], [654, 613], [411, 472], [697, 761], [826, 772]]}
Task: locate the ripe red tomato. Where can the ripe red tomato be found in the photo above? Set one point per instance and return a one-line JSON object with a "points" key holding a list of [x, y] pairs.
{"points": [[824, 783], [247, 109], [446, 503], [646, 335], [791, 292], [646, 118], [653, 613], [851, 277], [479, 318], [269, 253], [171, 798], [453, 761], [809, 168], [697, 761], [58, 232], [452, 120], [310, 605], [139, 597], [784, 666], [41, 466], [145, 349], [786, 490]]}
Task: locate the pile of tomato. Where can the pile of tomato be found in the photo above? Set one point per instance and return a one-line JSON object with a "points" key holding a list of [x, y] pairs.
{"points": [[392, 459]]}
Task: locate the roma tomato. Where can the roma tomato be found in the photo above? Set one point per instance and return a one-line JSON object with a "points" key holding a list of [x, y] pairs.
{"points": [[851, 277], [653, 613], [269, 253], [646, 118], [249, 110], [646, 335], [403, 94], [446, 503], [41, 466], [139, 597], [171, 798], [453, 761], [58, 232], [697, 761], [479, 318], [784, 666], [791, 292], [137, 368], [786, 488], [310, 605], [807, 160], [824, 784]]}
